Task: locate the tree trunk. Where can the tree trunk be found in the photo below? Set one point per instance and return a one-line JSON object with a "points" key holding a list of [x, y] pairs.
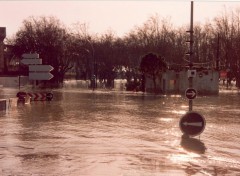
{"points": [[238, 82], [143, 83], [154, 84]]}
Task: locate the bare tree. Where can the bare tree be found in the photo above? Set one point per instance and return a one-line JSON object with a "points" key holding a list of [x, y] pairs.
{"points": [[227, 26], [48, 37]]}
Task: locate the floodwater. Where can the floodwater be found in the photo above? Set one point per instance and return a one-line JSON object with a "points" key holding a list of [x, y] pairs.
{"points": [[86, 133]]}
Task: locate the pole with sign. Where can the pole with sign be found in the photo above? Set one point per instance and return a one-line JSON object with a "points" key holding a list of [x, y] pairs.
{"points": [[30, 55], [40, 76], [190, 71], [40, 68], [40, 72], [37, 71], [31, 61], [191, 93], [192, 123]]}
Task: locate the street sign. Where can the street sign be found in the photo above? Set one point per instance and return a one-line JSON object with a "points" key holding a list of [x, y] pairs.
{"points": [[49, 96], [40, 68], [41, 96], [28, 61], [40, 76], [191, 93], [30, 56], [37, 71], [192, 123]]}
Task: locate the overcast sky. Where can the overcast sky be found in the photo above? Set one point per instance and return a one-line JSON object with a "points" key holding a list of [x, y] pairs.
{"points": [[118, 16]]}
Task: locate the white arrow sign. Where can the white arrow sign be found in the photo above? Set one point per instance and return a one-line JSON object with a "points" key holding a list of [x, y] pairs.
{"points": [[40, 68], [40, 76], [193, 124], [31, 61], [30, 56], [191, 93]]}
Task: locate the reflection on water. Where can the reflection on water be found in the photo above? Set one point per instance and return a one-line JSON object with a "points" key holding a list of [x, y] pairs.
{"points": [[193, 144], [82, 132]]}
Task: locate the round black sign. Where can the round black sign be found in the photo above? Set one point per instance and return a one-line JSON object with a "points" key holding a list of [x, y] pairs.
{"points": [[192, 123], [49, 96], [191, 93]]}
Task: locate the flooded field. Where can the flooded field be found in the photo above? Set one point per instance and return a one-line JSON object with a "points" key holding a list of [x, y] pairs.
{"points": [[81, 132]]}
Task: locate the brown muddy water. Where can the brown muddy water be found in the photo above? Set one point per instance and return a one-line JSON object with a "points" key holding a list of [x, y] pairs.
{"points": [[86, 133]]}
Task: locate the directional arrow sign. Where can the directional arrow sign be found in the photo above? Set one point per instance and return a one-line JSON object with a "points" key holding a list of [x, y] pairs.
{"points": [[30, 56], [192, 123], [42, 96], [40, 68], [31, 61], [191, 93], [40, 76]]}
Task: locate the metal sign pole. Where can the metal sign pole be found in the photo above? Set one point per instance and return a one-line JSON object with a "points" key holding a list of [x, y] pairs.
{"points": [[190, 55], [192, 123]]}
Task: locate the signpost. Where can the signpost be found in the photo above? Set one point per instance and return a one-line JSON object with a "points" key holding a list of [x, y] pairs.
{"points": [[30, 55], [41, 96], [40, 68], [191, 93], [31, 61], [192, 124], [36, 70], [36, 96], [40, 76]]}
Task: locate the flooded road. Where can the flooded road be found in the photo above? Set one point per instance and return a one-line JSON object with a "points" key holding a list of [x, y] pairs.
{"points": [[81, 132]]}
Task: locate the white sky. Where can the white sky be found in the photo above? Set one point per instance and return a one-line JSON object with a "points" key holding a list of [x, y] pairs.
{"points": [[118, 16]]}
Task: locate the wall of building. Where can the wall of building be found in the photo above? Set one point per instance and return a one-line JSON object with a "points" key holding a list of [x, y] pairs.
{"points": [[7, 104], [172, 82], [14, 81], [2, 37]]}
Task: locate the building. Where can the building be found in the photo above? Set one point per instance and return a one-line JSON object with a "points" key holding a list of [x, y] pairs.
{"points": [[2, 37], [206, 81]]}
